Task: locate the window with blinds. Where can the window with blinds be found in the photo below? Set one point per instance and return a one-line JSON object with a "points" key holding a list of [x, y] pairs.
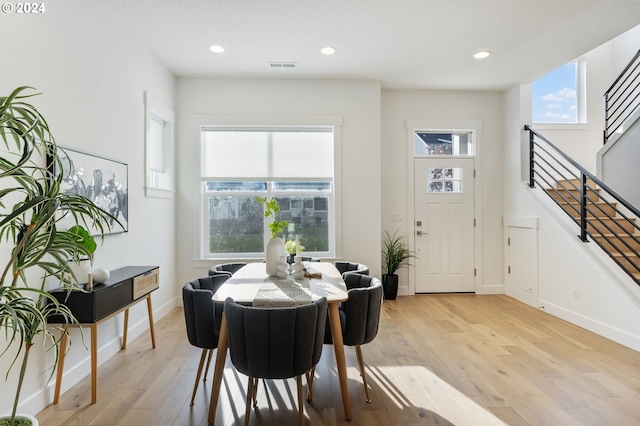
{"points": [[294, 165]]}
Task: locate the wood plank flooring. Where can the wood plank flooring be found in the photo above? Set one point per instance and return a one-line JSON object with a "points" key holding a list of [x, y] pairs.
{"points": [[437, 360]]}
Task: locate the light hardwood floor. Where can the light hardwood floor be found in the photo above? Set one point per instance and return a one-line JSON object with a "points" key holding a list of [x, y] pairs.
{"points": [[437, 360]]}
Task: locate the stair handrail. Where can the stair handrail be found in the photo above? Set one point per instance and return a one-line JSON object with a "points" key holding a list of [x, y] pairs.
{"points": [[549, 165], [581, 169], [618, 104]]}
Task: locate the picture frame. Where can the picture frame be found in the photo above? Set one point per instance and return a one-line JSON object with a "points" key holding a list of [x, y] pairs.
{"points": [[83, 173]]}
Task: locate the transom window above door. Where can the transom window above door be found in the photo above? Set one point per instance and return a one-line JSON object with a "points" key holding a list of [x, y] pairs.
{"points": [[431, 143]]}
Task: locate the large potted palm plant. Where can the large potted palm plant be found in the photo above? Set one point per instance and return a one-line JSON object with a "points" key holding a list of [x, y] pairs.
{"points": [[34, 247], [395, 254]]}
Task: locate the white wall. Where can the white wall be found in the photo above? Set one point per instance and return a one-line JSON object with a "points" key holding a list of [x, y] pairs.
{"points": [[398, 106], [262, 101], [92, 80], [619, 157], [625, 46]]}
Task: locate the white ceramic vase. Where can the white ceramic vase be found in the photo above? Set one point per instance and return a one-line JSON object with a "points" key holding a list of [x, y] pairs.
{"points": [[82, 270], [275, 249], [32, 419]]}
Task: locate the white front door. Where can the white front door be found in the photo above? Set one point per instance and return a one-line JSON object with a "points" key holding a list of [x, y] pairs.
{"points": [[444, 224]]}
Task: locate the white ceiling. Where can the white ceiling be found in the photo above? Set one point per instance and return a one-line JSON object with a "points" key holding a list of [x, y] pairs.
{"points": [[425, 44]]}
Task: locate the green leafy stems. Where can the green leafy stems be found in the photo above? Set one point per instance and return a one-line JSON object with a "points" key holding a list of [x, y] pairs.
{"points": [[87, 244], [271, 208]]}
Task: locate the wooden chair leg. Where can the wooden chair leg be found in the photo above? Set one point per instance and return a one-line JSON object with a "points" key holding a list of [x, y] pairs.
{"points": [[255, 391], [362, 372], [310, 376], [300, 402], [250, 391], [195, 386], [206, 370]]}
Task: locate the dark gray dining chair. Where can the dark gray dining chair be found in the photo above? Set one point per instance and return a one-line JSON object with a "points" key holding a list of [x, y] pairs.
{"points": [[202, 318], [359, 318], [344, 266], [275, 343], [231, 268]]}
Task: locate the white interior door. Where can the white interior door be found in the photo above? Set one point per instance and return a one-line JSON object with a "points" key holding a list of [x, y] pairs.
{"points": [[444, 215], [522, 263]]}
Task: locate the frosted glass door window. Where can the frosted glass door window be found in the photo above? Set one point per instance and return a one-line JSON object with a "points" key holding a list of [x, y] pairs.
{"points": [[448, 179]]}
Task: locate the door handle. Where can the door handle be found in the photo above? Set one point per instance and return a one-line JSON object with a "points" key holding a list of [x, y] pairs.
{"points": [[419, 232]]}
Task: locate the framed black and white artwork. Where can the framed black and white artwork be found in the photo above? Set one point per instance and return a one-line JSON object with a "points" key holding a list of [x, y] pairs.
{"points": [[103, 181]]}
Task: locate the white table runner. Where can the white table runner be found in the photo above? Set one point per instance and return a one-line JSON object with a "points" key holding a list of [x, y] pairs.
{"points": [[277, 292]]}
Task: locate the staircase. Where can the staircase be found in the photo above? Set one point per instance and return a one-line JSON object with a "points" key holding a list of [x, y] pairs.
{"points": [[602, 215], [618, 234]]}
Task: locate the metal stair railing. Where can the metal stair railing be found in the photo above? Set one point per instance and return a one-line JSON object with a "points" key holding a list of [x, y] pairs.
{"points": [[589, 202], [623, 98]]}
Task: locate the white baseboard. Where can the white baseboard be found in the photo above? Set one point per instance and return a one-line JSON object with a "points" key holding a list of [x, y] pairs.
{"points": [[491, 289], [612, 333]]}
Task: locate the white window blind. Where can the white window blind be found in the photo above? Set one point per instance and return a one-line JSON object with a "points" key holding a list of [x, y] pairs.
{"points": [[267, 154]]}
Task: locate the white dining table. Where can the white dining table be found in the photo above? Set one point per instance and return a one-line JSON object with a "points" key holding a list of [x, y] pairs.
{"points": [[252, 286]]}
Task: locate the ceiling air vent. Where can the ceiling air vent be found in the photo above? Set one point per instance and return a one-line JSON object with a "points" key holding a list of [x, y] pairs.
{"points": [[287, 65]]}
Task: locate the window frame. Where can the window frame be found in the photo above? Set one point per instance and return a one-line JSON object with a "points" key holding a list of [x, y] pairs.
{"points": [[330, 121], [159, 184], [471, 132], [269, 192], [581, 99]]}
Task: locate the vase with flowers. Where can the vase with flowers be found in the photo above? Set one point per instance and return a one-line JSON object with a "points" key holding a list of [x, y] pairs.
{"points": [[293, 248], [275, 246]]}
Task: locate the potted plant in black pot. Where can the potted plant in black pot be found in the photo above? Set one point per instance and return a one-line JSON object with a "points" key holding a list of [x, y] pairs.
{"points": [[395, 254], [34, 247]]}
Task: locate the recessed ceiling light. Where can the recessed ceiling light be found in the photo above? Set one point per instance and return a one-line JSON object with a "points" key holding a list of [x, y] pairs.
{"points": [[216, 49], [328, 50], [482, 54]]}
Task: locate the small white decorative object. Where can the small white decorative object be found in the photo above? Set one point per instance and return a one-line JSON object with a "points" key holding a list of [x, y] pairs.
{"points": [[283, 268], [297, 269], [100, 275]]}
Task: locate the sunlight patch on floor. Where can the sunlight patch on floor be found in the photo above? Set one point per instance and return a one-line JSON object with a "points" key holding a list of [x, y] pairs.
{"points": [[417, 388]]}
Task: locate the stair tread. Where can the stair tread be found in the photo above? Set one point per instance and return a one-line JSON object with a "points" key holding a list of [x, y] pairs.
{"points": [[628, 254], [593, 218], [591, 203], [571, 188]]}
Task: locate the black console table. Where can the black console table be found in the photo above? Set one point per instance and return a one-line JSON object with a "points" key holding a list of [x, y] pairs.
{"points": [[124, 288]]}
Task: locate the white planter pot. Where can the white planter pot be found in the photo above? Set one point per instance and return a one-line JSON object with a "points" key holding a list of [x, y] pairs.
{"points": [[82, 270], [34, 421], [275, 249]]}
